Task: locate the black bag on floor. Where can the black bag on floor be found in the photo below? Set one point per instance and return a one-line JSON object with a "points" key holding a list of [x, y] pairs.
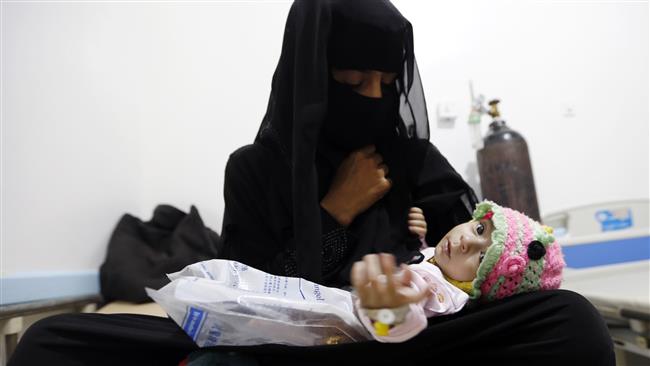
{"points": [[140, 254]]}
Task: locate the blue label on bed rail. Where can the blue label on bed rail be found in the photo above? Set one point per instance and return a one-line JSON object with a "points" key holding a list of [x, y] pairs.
{"points": [[607, 252], [611, 220], [193, 322]]}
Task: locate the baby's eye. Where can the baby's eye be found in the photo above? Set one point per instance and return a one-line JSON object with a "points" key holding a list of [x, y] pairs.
{"points": [[480, 229], [480, 257]]}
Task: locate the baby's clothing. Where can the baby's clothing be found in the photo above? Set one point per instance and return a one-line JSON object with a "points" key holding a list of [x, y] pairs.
{"points": [[445, 299]]}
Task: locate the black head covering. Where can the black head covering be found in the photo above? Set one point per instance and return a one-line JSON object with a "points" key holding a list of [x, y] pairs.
{"points": [[346, 34]]}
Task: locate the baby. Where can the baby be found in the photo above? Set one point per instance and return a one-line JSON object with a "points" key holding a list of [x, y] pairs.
{"points": [[499, 253]]}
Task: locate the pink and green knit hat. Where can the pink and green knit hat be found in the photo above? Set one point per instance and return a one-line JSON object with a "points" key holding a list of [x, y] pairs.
{"points": [[524, 255]]}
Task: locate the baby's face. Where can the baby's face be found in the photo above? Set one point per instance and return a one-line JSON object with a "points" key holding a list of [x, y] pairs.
{"points": [[459, 253]]}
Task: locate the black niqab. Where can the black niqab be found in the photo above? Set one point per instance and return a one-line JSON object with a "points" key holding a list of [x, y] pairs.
{"points": [[354, 121]]}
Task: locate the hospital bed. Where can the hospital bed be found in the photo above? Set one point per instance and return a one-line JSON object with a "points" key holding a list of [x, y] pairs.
{"points": [[607, 250]]}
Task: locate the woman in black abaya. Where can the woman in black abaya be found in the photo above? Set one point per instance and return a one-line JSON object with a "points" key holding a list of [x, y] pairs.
{"points": [[340, 158], [342, 153]]}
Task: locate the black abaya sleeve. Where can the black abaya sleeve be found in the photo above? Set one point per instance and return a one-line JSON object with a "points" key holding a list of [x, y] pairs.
{"points": [[257, 227], [254, 213]]}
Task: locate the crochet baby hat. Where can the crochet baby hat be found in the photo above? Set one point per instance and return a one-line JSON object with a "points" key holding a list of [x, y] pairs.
{"points": [[524, 255]]}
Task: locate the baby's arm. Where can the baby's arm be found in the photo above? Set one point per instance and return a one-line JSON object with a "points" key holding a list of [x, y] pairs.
{"points": [[388, 298]]}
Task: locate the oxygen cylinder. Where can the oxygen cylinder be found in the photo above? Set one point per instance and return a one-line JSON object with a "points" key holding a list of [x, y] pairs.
{"points": [[504, 167]]}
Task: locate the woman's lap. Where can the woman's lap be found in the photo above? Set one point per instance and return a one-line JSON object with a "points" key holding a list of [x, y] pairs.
{"points": [[103, 339], [552, 326]]}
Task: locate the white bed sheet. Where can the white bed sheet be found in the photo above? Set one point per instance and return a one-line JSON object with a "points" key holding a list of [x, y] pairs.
{"points": [[612, 288]]}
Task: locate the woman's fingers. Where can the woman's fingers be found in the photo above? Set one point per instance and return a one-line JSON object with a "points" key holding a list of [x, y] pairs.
{"points": [[384, 167], [389, 183]]}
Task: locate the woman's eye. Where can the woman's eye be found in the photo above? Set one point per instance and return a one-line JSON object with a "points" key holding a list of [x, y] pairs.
{"points": [[480, 257], [480, 229]]}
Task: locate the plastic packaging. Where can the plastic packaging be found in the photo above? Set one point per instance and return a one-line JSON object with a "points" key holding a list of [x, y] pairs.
{"points": [[221, 302]]}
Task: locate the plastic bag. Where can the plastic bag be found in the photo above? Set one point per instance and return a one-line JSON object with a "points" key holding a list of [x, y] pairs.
{"points": [[221, 302]]}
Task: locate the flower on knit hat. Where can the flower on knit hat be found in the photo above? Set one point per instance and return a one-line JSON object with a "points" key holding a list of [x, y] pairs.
{"points": [[513, 266]]}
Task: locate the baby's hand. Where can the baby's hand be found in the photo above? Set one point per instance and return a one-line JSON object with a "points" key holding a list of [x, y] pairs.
{"points": [[378, 286], [417, 223]]}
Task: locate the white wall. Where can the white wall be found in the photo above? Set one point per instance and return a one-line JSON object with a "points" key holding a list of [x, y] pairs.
{"points": [[116, 107], [71, 154]]}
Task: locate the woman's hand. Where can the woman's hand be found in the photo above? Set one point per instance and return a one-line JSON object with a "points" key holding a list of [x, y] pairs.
{"points": [[359, 182], [378, 286], [417, 223]]}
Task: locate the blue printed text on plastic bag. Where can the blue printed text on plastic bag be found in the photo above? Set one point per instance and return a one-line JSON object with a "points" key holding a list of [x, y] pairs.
{"points": [[193, 322]]}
